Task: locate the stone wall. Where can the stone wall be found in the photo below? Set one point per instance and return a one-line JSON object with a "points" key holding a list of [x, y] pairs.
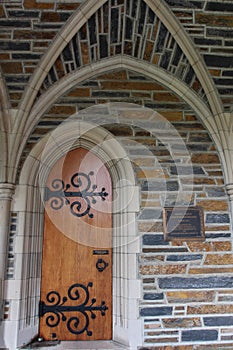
{"points": [[187, 289]]}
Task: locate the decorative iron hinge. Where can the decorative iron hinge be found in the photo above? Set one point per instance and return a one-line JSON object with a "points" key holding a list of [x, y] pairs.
{"points": [[61, 194], [56, 309]]}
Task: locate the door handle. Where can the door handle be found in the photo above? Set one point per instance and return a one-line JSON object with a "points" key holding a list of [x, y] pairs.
{"points": [[101, 265]]}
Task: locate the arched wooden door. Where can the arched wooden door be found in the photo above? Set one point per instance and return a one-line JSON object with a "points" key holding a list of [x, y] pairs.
{"points": [[76, 288]]}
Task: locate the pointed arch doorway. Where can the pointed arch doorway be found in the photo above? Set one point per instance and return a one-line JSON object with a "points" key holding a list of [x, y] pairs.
{"points": [[76, 286]]}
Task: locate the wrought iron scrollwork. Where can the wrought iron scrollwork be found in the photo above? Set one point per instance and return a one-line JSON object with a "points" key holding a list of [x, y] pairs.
{"points": [[56, 309], [61, 194]]}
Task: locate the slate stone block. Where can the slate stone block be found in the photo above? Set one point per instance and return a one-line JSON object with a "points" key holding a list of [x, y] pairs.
{"points": [[150, 214], [218, 321], [225, 33], [220, 6], [199, 335], [219, 61], [153, 296], [215, 192], [217, 218], [14, 46], [26, 56], [188, 257], [153, 239], [204, 42], [156, 311], [222, 81], [195, 283], [21, 13], [15, 24], [186, 170]]}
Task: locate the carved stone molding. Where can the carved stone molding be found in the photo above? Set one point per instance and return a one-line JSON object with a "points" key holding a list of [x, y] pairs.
{"points": [[229, 189], [6, 191]]}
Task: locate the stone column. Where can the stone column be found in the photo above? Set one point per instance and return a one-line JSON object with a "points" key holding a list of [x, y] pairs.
{"points": [[6, 194]]}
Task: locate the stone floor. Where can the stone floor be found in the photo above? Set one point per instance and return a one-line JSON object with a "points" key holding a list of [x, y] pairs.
{"points": [[83, 345]]}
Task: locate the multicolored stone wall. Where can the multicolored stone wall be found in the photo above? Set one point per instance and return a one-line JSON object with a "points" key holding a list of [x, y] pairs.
{"points": [[29, 27]]}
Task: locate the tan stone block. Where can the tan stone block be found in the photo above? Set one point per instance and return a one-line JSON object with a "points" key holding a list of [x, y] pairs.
{"points": [[200, 246], [149, 162], [173, 115], [150, 195], [154, 258], [168, 97], [62, 109], [12, 67], [205, 158], [215, 173], [4, 56], [148, 50], [150, 227], [85, 53], [215, 21], [67, 6], [190, 117], [214, 270], [190, 296], [162, 270], [15, 96], [141, 94], [79, 92], [219, 259], [28, 34], [155, 59], [153, 204], [130, 85], [118, 75], [49, 16], [181, 322], [198, 181], [151, 173], [220, 182], [196, 85], [217, 228], [215, 72], [212, 205], [210, 309], [33, 4], [2, 12]]}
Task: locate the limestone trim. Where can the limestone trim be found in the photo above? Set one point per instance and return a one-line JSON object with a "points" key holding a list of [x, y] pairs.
{"points": [[127, 326], [229, 188]]}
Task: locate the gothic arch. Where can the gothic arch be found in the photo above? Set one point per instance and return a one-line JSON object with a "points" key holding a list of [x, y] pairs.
{"points": [[65, 42], [126, 286]]}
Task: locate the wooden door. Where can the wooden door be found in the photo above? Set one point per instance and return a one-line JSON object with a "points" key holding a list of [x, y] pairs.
{"points": [[76, 288]]}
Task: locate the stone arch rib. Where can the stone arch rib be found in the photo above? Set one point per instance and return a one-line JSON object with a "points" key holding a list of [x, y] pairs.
{"points": [[144, 29], [131, 29]]}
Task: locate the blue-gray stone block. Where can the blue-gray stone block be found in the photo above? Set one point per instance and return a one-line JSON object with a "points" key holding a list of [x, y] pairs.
{"points": [[188, 257], [153, 239], [156, 311], [217, 218], [153, 296], [218, 321], [195, 283], [200, 335]]}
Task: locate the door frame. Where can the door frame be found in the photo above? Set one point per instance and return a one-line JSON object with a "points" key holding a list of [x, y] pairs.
{"points": [[127, 325]]}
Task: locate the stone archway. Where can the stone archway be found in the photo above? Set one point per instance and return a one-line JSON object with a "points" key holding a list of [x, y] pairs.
{"points": [[126, 287]]}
